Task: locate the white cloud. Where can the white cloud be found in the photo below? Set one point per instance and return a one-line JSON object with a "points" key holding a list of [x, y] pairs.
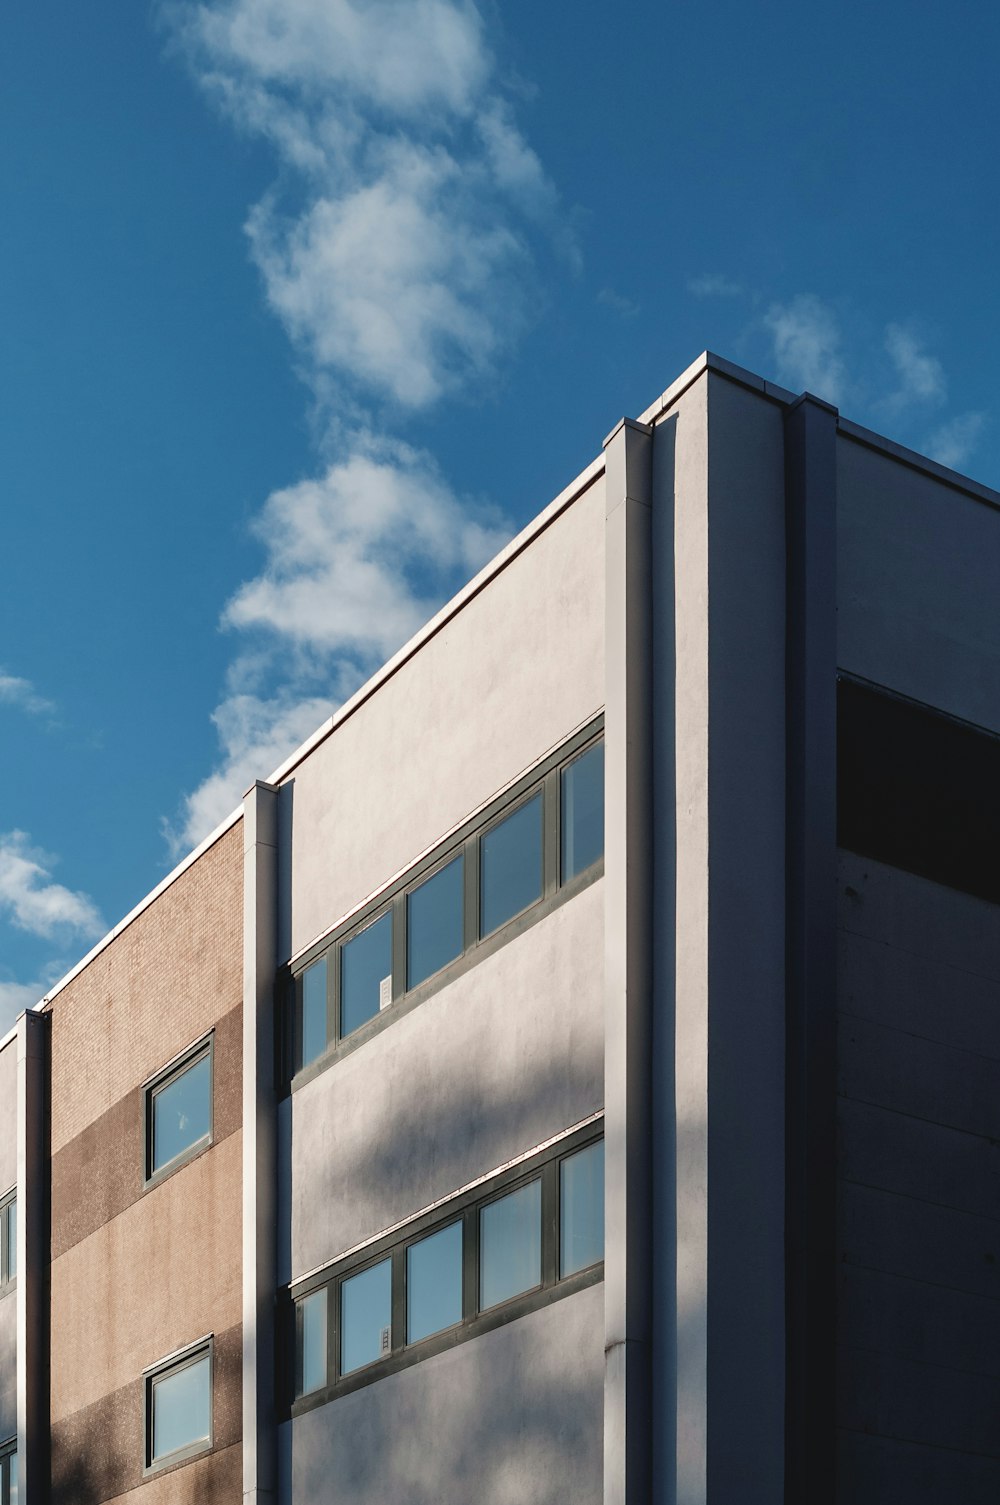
{"points": [[31, 901], [714, 285], [622, 306], [21, 693], [806, 339], [954, 442], [920, 376]]}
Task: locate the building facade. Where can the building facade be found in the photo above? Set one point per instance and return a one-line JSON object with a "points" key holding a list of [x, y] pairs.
{"points": [[574, 1074]]}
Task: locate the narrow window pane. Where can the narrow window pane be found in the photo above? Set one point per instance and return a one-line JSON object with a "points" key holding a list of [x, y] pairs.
{"points": [[511, 858], [182, 1112], [583, 811], [581, 1209], [365, 1316], [434, 922], [365, 961], [181, 1408], [13, 1479], [12, 1240], [314, 1317], [434, 1283], [314, 1036], [510, 1245]]}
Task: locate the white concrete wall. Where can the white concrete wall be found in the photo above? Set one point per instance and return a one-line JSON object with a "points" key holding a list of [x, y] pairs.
{"points": [[505, 680], [918, 584], [508, 1054], [511, 1418]]}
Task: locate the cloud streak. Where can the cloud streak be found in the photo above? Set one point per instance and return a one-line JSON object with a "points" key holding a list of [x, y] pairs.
{"points": [[21, 693], [31, 901]]}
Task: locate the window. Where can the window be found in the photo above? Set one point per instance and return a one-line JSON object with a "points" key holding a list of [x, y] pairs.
{"points": [[533, 1232], [8, 1473], [179, 1407], [530, 849], [8, 1238], [178, 1111]]}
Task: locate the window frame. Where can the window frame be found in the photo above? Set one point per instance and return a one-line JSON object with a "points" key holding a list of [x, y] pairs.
{"points": [[465, 1207], [8, 1282], [544, 779], [175, 1363], [8, 1450], [200, 1049]]}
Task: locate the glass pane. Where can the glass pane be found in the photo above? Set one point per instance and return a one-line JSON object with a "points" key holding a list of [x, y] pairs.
{"points": [[581, 1209], [13, 1479], [583, 811], [365, 1317], [434, 1283], [314, 1315], [182, 1112], [365, 963], [181, 1408], [510, 1245], [314, 1038], [12, 1240], [434, 922], [511, 858]]}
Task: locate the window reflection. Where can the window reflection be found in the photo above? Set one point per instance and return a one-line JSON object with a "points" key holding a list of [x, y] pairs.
{"points": [[434, 1283], [510, 1245], [365, 965], [511, 865], [434, 922], [366, 1317], [582, 811]]}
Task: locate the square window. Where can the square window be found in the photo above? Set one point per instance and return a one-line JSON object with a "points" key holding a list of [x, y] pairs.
{"points": [[366, 1317], [434, 1283], [179, 1112], [435, 930], [582, 812], [581, 1209], [179, 1407], [511, 865], [313, 1016], [365, 965], [510, 1245]]}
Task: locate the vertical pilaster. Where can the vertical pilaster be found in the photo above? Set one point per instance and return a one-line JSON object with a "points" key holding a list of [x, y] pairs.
{"points": [[32, 1258], [811, 683], [628, 875], [260, 910]]}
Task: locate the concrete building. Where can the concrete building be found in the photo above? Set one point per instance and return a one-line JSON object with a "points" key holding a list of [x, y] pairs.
{"points": [[574, 1074]]}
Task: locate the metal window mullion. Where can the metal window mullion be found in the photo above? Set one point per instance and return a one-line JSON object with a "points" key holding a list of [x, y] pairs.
{"points": [[399, 978], [550, 832], [470, 1263], [398, 1332], [470, 918]]}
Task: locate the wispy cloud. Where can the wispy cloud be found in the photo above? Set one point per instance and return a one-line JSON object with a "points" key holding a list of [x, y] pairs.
{"points": [[806, 338], [715, 285], [955, 441], [21, 693], [398, 247], [30, 899], [621, 305], [920, 377]]}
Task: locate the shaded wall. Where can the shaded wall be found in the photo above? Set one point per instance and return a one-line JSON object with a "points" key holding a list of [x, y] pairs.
{"points": [[918, 1255], [138, 1273], [8, 1178]]}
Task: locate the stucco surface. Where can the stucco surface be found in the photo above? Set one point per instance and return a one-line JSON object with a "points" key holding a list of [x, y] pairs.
{"points": [[8, 1365], [166, 979], [163, 1273], [505, 1056], [8, 1117], [505, 681], [510, 1418], [918, 581]]}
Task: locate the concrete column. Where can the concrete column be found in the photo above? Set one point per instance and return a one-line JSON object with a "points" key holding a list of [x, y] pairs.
{"points": [[32, 1258], [628, 871], [811, 987], [260, 913]]}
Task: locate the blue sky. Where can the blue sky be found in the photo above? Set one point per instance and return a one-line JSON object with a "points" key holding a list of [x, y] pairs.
{"points": [[306, 305]]}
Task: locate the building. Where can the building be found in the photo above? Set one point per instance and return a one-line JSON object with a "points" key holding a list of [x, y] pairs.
{"points": [[427, 1136]]}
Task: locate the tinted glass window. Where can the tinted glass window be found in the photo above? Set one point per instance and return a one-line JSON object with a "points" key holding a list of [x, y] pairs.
{"points": [[581, 1209], [314, 1033], [182, 1112], [365, 962], [434, 927], [314, 1316], [365, 1316], [510, 1245], [583, 811], [13, 1479], [511, 859], [182, 1410], [434, 1283]]}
